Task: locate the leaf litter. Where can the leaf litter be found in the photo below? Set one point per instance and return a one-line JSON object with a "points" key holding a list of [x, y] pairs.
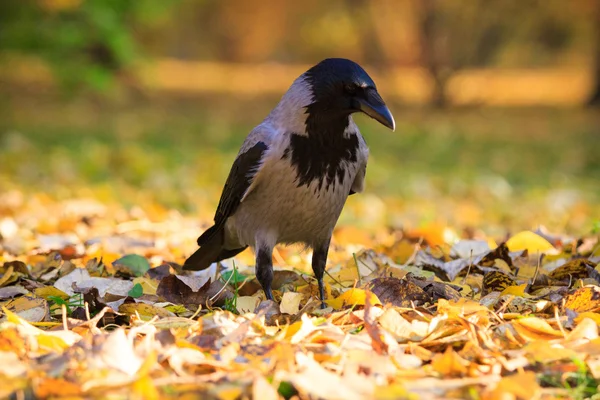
{"points": [[100, 307]]}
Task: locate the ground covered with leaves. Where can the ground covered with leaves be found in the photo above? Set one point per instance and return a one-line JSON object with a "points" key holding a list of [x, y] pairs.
{"points": [[94, 303]]}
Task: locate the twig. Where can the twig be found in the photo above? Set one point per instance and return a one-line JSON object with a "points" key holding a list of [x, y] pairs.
{"points": [[470, 264], [63, 309], [335, 280], [223, 288], [357, 267], [537, 268], [558, 322], [415, 251], [197, 312]]}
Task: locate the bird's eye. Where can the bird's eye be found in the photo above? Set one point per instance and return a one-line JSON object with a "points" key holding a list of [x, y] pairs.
{"points": [[350, 89]]}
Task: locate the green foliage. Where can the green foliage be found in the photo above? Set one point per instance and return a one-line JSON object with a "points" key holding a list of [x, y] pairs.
{"points": [[73, 301], [133, 263], [136, 291], [579, 384], [233, 277], [86, 43]]}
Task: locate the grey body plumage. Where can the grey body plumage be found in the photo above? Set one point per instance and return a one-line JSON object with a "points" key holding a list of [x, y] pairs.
{"points": [[295, 170]]}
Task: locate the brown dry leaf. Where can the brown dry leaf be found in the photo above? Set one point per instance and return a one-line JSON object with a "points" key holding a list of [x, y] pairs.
{"points": [[398, 292], [583, 299], [496, 281], [579, 268], [174, 289], [378, 341]]}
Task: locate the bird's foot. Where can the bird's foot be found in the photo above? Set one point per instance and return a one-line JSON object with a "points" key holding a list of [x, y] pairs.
{"points": [[269, 293]]}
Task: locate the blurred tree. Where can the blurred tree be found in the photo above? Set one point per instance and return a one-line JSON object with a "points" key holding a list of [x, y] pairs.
{"points": [[459, 34], [86, 43], [594, 99]]}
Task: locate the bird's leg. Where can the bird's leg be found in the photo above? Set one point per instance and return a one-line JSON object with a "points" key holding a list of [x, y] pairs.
{"points": [[319, 259], [264, 269]]}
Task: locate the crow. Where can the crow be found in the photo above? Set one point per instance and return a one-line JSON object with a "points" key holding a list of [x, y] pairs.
{"points": [[294, 172]]}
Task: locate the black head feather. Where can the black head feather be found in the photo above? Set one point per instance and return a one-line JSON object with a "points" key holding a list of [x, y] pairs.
{"points": [[337, 77]]}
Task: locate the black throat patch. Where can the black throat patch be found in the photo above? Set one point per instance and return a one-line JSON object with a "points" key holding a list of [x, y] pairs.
{"points": [[321, 157]]}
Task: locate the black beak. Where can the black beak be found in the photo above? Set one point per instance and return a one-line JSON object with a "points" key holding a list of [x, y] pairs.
{"points": [[374, 107]]}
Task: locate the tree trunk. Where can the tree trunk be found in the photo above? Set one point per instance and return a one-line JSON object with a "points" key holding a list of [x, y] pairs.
{"points": [[594, 99], [429, 58]]}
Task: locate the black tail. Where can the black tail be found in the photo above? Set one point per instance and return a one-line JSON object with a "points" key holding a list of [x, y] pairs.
{"points": [[211, 250]]}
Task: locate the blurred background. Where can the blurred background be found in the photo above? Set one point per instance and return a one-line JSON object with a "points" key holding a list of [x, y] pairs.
{"points": [[145, 103]]}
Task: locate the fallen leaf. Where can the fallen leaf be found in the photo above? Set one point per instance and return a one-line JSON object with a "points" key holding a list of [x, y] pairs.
{"points": [[522, 385], [247, 304], [527, 240], [496, 281], [352, 297], [144, 310], [398, 292], [32, 309], [290, 303], [450, 364], [176, 289], [534, 328], [583, 299], [132, 265]]}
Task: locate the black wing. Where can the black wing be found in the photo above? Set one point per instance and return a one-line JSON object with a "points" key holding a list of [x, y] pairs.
{"points": [[239, 180]]}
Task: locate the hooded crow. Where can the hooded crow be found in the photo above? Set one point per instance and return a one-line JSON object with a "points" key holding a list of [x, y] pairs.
{"points": [[294, 171]]}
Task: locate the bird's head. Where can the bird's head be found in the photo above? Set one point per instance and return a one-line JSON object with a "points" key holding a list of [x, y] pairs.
{"points": [[341, 87]]}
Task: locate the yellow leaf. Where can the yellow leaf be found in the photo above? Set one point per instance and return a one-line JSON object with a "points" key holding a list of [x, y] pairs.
{"points": [[584, 299], [518, 290], [146, 311], [144, 388], [353, 297], [176, 308], [535, 329], [48, 291], [461, 307], [591, 315], [149, 285], [56, 387], [519, 386], [51, 342], [586, 329], [4, 279], [527, 240], [543, 352], [450, 363]]}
